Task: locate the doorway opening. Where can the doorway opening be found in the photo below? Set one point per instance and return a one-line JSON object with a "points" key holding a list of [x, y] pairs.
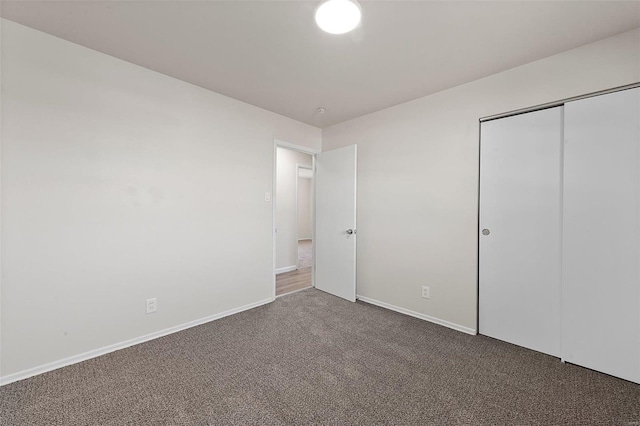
{"points": [[293, 218]]}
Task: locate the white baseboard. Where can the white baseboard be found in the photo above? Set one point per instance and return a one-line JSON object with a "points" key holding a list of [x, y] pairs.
{"points": [[286, 269], [418, 315], [20, 375]]}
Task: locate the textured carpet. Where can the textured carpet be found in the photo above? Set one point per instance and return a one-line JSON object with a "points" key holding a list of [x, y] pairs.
{"points": [[304, 254], [311, 358]]}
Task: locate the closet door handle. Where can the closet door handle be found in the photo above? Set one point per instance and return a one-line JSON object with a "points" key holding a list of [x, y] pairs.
{"points": [[485, 231]]}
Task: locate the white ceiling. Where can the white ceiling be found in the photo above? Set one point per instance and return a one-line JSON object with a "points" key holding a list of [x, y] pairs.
{"points": [[271, 54]]}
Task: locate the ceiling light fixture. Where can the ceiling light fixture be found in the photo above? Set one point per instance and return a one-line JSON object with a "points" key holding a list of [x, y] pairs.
{"points": [[338, 16]]}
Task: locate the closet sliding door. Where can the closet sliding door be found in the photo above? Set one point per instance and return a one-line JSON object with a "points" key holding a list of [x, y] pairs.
{"points": [[601, 235], [519, 240]]}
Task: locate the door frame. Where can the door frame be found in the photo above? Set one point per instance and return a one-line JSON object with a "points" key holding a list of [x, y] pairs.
{"points": [[305, 167], [277, 143]]}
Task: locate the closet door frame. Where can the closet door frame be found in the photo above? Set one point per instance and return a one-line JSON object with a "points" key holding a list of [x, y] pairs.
{"points": [[539, 107]]}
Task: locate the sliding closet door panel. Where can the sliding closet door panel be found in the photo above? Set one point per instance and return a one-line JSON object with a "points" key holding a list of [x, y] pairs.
{"points": [[519, 259], [601, 256]]}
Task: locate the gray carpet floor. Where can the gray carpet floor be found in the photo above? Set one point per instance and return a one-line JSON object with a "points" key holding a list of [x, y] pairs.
{"points": [[311, 358]]}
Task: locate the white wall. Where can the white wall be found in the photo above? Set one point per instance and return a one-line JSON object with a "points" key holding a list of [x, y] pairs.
{"points": [[305, 208], [418, 175], [286, 222], [120, 184]]}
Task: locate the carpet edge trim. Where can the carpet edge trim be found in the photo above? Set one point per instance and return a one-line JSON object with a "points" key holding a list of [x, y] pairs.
{"points": [[418, 315], [74, 359]]}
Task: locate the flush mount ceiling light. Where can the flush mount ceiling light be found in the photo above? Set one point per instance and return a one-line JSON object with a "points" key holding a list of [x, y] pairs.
{"points": [[338, 16]]}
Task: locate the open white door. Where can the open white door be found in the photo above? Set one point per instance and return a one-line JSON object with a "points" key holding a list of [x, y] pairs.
{"points": [[335, 258]]}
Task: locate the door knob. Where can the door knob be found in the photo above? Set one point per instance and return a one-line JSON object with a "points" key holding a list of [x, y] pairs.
{"points": [[350, 231], [485, 231]]}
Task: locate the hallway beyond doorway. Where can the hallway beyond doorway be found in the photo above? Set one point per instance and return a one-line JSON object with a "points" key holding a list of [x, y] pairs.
{"points": [[304, 254], [301, 277]]}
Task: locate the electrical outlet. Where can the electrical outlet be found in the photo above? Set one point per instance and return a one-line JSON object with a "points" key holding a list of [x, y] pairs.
{"points": [[425, 292], [152, 305], [267, 196]]}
